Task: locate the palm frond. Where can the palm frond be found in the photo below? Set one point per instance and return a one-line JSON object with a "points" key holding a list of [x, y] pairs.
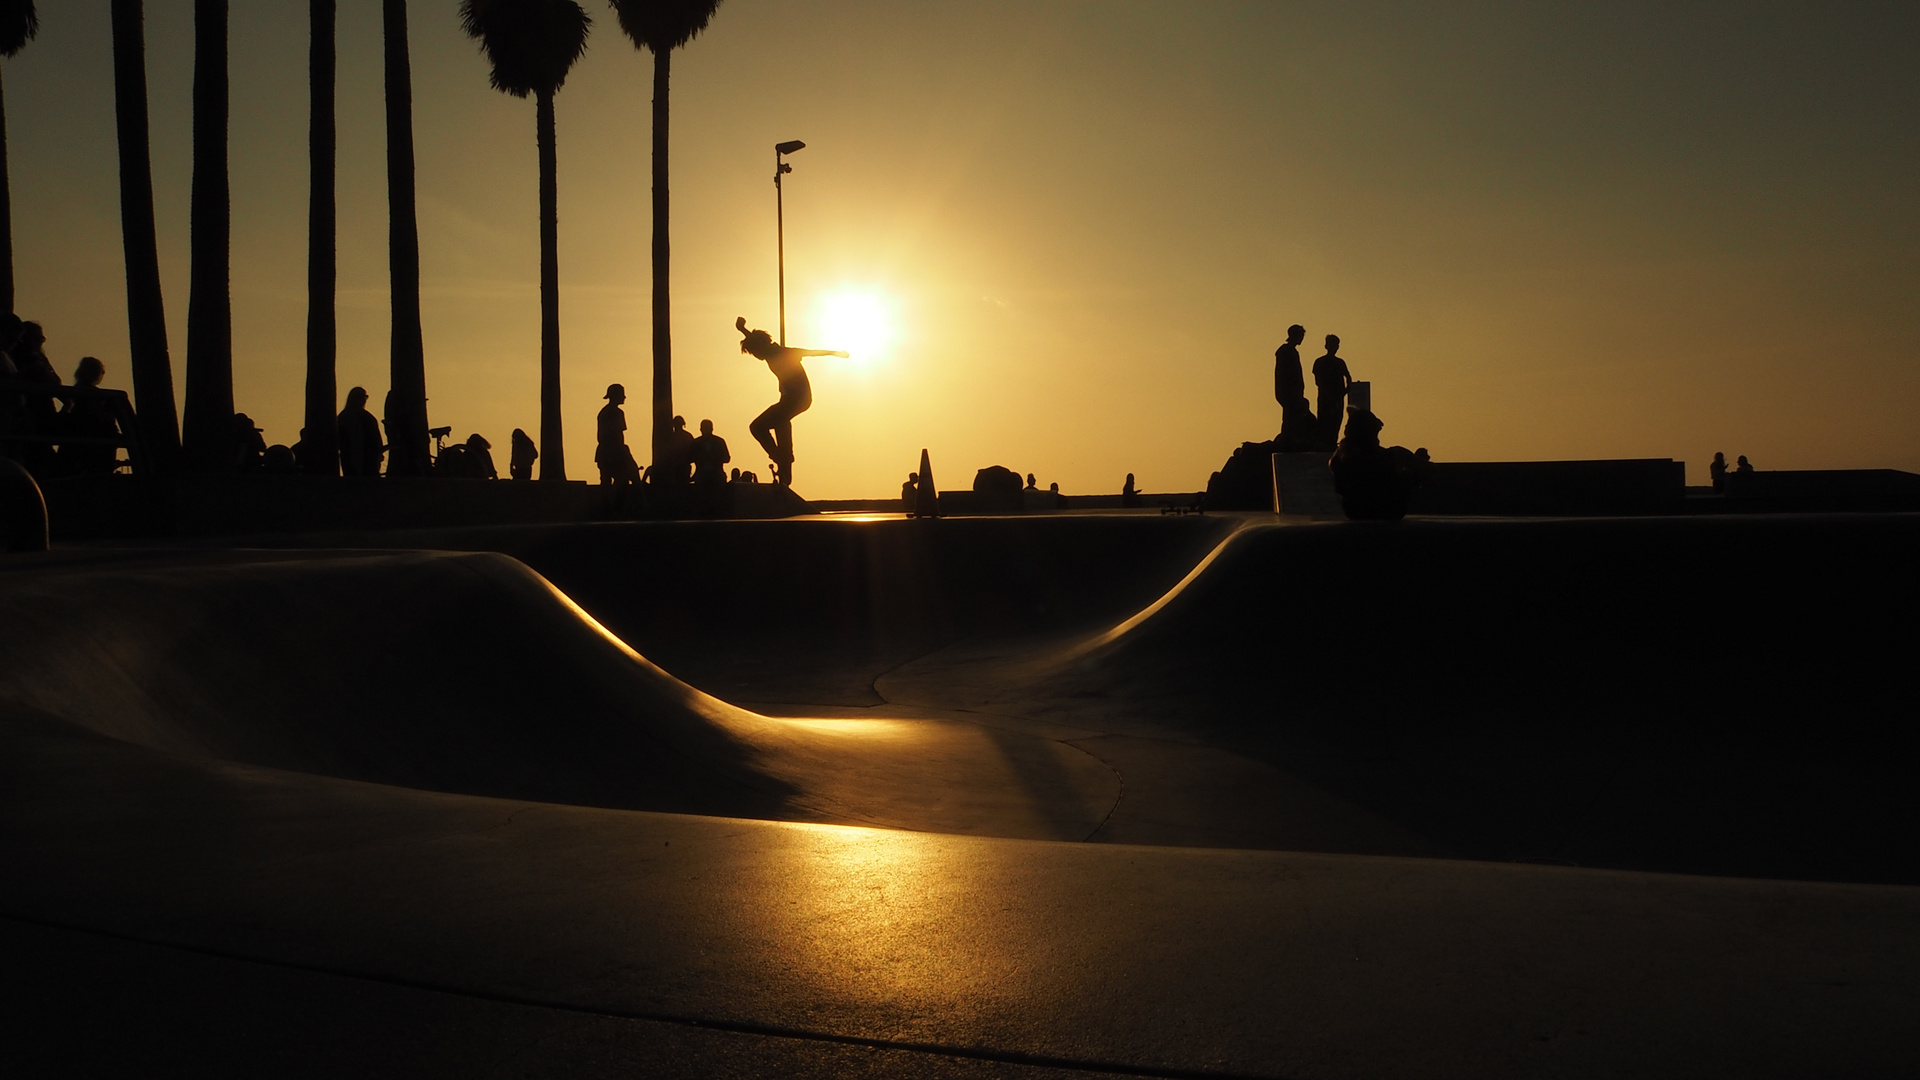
{"points": [[18, 23], [532, 44], [663, 25]]}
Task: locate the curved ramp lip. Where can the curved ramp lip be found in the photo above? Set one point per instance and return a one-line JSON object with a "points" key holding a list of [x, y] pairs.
{"points": [[1098, 642]]}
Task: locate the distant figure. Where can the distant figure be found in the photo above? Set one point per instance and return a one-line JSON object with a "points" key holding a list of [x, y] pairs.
{"points": [[480, 458], [1717, 473], [735, 478], [748, 477], [1744, 467], [361, 447], [1031, 486], [910, 493], [1330, 381], [1059, 500], [1130, 497], [1289, 385], [710, 456], [278, 460], [1375, 482], [773, 429], [91, 415], [521, 455], [679, 453], [249, 448], [617, 467]]}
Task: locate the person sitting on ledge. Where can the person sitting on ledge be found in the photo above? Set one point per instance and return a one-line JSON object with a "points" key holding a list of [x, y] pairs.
{"points": [[480, 458], [1374, 482], [1744, 467], [1128, 495]]}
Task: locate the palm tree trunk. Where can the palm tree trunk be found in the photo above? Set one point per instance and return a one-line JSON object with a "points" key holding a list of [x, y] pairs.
{"points": [[553, 451], [152, 367], [319, 442], [407, 393], [6, 214], [662, 305], [207, 426]]}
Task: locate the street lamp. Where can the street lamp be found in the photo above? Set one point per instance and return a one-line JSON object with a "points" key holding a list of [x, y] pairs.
{"points": [[781, 168]]}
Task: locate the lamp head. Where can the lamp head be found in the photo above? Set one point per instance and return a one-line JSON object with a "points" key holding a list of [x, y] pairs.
{"points": [[789, 146]]}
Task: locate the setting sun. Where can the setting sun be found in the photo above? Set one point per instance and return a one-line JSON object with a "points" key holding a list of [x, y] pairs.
{"points": [[860, 321]]}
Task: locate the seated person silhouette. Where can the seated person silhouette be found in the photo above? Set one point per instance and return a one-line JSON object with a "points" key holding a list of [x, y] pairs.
{"points": [[91, 415], [1128, 495], [617, 467], [710, 456], [480, 458], [521, 456], [910, 493], [1743, 467], [773, 429], [1375, 482]]}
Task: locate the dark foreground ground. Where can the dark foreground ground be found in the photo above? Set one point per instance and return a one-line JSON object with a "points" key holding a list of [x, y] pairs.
{"points": [[999, 796]]}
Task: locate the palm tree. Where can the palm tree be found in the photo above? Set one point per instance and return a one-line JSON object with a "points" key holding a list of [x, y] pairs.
{"points": [[531, 45], [319, 441], [406, 410], [207, 424], [152, 366], [18, 24], [661, 26]]}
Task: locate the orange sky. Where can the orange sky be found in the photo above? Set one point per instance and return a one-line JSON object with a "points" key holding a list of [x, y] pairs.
{"points": [[1613, 231]]}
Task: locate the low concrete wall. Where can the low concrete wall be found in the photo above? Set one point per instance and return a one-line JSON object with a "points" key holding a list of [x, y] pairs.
{"points": [[1573, 488], [103, 507]]}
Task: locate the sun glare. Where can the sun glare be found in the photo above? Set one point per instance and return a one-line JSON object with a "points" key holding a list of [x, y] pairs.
{"points": [[860, 321]]}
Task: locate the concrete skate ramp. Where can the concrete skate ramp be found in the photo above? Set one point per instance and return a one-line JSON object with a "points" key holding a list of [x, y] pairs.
{"points": [[813, 610], [469, 673], [1719, 695]]}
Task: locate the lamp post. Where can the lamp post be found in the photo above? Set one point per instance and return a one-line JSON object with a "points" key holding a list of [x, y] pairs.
{"points": [[781, 168]]}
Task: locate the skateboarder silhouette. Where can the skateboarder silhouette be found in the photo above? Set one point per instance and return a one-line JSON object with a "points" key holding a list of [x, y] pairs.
{"points": [[773, 429]]}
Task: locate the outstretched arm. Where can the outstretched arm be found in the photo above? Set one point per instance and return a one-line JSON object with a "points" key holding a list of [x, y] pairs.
{"points": [[822, 352]]}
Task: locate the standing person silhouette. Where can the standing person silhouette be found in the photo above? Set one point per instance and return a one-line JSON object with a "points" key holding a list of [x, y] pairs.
{"points": [[773, 429], [617, 467], [1289, 385], [1330, 381]]}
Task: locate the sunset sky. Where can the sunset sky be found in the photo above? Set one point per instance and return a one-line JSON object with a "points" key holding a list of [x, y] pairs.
{"points": [[1541, 230]]}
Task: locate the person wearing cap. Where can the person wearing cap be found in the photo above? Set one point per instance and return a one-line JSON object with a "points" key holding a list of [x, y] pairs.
{"points": [[249, 448], [773, 429], [677, 462], [617, 466]]}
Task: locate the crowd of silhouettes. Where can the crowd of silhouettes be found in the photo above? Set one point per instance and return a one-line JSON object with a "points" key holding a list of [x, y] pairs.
{"points": [[56, 429]]}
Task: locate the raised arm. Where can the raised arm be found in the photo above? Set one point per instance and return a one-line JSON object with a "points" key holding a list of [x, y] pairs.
{"points": [[822, 352]]}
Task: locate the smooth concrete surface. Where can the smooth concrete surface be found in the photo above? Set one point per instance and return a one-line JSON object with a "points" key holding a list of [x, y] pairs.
{"points": [[430, 812], [1248, 963]]}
